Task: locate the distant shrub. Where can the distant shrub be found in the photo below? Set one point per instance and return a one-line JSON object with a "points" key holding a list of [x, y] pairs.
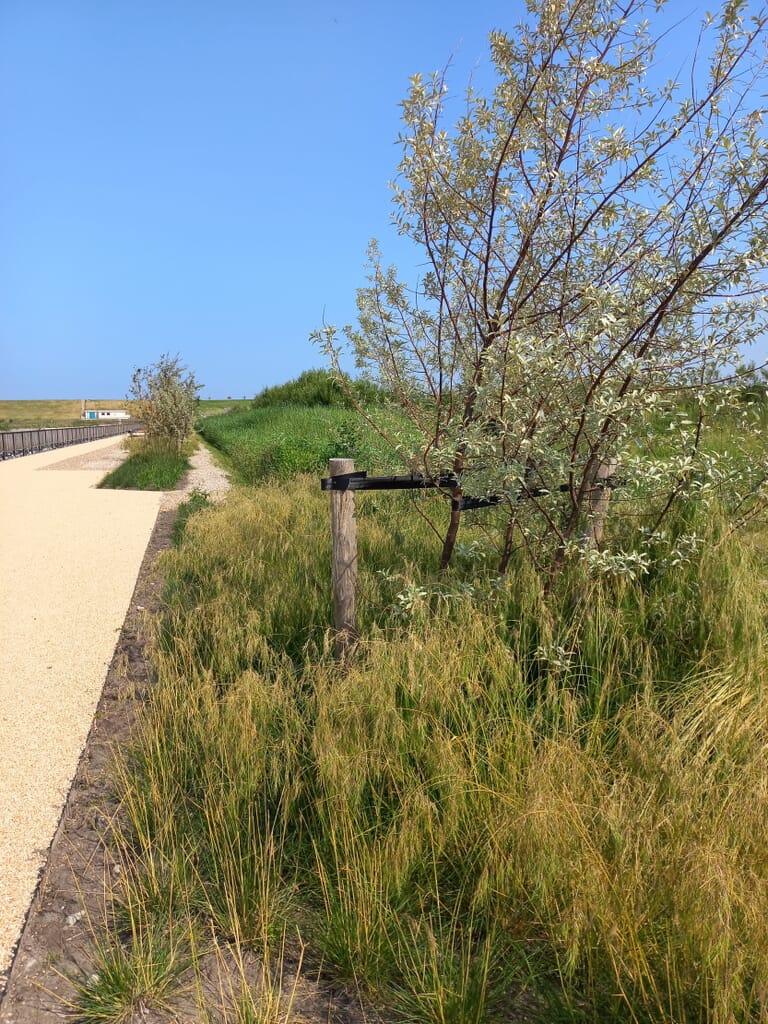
{"points": [[164, 398], [320, 388], [313, 387], [755, 394]]}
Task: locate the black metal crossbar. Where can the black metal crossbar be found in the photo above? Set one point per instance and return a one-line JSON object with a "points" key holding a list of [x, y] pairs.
{"points": [[360, 481]]}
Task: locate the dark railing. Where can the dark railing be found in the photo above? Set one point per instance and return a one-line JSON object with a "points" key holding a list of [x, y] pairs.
{"points": [[26, 442]]}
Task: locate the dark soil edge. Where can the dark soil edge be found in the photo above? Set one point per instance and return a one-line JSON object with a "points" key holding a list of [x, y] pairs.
{"points": [[68, 910], [69, 900]]}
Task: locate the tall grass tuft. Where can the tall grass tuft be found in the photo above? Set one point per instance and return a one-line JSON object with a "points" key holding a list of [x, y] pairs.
{"points": [[512, 803], [149, 467]]}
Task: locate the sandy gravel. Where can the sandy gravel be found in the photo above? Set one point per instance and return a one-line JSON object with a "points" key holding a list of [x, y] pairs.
{"points": [[204, 475], [69, 557]]}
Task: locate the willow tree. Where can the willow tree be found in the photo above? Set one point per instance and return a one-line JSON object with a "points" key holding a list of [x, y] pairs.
{"points": [[595, 245], [164, 396]]}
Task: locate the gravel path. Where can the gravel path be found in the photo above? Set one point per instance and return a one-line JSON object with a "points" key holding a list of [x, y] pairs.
{"points": [[203, 476], [69, 558]]}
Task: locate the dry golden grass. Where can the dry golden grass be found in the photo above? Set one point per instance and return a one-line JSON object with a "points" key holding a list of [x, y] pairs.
{"points": [[508, 800], [55, 411], [51, 411]]}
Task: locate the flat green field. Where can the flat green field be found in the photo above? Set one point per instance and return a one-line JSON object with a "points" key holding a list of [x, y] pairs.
{"points": [[50, 412], [65, 411]]}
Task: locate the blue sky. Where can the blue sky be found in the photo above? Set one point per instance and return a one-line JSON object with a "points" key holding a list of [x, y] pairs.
{"points": [[202, 177]]}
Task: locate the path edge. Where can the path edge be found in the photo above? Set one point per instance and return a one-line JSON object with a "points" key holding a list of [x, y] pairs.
{"points": [[36, 987]]}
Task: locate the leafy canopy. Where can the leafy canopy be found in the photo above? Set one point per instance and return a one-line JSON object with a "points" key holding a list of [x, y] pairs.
{"points": [[594, 246], [165, 397]]}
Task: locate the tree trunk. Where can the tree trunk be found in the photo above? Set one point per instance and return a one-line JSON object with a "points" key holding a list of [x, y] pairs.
{"points": [[450, 537], [344, 536], [597, 501], [506, 553]]}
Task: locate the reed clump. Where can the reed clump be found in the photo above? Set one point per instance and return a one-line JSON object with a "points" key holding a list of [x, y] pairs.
{"points": [[511, 803]]}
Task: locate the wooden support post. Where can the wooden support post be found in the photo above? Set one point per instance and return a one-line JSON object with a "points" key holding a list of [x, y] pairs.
{"points": [[597, 502], [344, 535]]}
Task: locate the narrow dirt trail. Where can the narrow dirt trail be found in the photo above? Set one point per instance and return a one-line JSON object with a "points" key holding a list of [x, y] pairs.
{"points": [[69, 557]]}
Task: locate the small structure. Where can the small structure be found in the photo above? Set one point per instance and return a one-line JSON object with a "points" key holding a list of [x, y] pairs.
{"points": [[104, 414]]}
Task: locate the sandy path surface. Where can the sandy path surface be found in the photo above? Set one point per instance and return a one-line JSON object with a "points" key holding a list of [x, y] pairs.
{"points": [[69, 557]]}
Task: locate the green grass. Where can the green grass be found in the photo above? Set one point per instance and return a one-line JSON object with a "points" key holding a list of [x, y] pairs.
{"points": [[135, 967], [278, 442], [148, 468], [509, 804], [217, 406], [196, 502]]}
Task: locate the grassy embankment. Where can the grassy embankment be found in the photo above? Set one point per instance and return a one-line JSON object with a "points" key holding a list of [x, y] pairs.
{"points": [[512, 805], [277, 443]]}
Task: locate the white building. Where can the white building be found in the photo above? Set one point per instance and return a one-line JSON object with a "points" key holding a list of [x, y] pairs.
{"points": [[105, 414]]}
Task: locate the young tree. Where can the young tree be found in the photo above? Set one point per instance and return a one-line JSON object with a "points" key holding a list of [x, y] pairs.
{"points": [[595, 245], [165, 397]]}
